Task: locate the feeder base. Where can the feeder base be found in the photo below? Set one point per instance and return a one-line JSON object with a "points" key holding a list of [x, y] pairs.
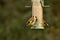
{"points": [[37, 27]]}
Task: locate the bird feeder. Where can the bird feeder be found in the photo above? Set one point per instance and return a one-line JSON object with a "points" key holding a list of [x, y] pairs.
{"points": [[37, 14]]}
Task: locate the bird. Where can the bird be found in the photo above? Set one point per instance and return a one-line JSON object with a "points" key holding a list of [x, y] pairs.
{"points": [[32, 20]]}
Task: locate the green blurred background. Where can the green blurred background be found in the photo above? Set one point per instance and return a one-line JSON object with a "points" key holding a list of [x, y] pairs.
{"points": [[14, 15]]}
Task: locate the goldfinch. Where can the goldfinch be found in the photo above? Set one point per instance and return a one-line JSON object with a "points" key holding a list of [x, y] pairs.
{"points": [[32, 20]]}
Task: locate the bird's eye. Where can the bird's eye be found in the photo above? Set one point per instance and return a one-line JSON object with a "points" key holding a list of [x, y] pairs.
{"points": [[28, 22]]}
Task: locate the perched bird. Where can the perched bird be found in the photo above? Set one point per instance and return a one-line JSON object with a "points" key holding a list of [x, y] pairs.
{"points": [[32, 20]]}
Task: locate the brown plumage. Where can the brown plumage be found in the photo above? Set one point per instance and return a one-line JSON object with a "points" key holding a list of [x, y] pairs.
{"points": [[31, 21]]}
